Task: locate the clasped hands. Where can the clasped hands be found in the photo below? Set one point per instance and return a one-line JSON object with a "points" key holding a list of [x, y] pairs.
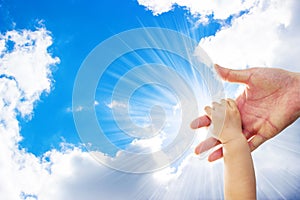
{"points": [[266, 88]]}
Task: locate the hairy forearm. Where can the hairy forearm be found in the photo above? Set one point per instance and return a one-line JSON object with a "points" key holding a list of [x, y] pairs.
{"points": [[239, 176]]}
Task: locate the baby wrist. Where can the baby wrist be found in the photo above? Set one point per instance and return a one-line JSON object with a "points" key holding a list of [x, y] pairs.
{"points": [[237, 139]]}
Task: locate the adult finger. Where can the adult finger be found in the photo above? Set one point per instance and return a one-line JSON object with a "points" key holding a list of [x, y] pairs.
{"points": [[256, 141], [206, 145], [200, 122], [239, 76], [217, 154]]}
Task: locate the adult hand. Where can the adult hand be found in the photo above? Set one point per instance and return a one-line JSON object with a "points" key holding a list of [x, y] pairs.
{"points": [[270, 103]]}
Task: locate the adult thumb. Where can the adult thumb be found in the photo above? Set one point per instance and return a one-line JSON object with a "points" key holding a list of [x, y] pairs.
{"points": [[238, 76]]}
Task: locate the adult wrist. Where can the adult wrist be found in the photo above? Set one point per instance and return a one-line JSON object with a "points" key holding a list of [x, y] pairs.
{"points": [[297, 90]]}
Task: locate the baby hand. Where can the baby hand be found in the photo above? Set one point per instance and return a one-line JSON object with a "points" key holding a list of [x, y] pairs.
{"points": [[225, 119]]}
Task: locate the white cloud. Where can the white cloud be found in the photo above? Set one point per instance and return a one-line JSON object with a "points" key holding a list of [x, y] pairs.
{"points": [[147, 145], [27, 64], [77, 109], [265, 37], [116, 104], [288, 48], [80, 108], [203, 9], [157, 7], [96, 103], [24, 75]]}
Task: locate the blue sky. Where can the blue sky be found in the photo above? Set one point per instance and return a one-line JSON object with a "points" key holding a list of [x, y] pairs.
{"points": [[77, 27], [237, 35]]}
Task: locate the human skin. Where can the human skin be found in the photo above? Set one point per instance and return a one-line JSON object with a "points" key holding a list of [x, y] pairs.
{"points": [[239, 176], [269, 103]]}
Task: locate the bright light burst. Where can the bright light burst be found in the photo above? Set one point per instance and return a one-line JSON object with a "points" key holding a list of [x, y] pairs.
{"points": [[141, 111], [151, 79]]}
